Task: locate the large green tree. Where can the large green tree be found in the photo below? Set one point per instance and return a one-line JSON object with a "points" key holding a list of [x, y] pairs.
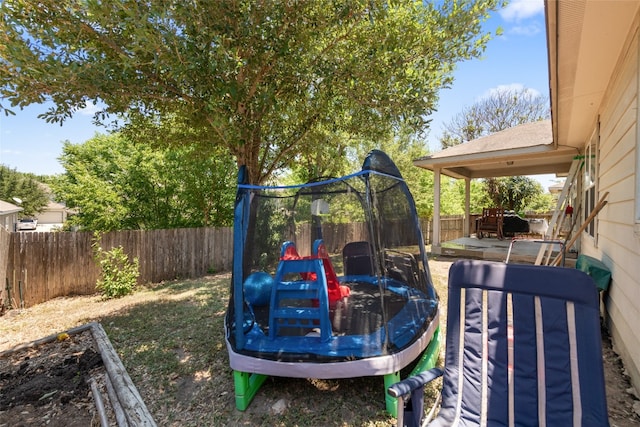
{"points": [[23, 190], [258, 78], [452, 196], [513, 192], [116, 184]]}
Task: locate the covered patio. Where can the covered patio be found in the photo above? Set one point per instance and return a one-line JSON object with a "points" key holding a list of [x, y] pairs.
{"points": [[518, 250], [527, 149]]}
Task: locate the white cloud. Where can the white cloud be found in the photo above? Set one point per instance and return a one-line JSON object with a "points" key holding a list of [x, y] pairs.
{"points": [[515, 87], [518, 10], [89, 110], [526, 30]]}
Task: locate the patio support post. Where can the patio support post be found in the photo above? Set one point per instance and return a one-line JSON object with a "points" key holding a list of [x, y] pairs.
{"points": [[467, 207], [436, 207]]}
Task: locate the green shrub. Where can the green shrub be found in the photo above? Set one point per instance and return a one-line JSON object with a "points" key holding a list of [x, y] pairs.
{"points": [[118, 275]]}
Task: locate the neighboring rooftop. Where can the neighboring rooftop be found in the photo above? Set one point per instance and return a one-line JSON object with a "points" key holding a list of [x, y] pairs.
{"points": [[7, 208]]}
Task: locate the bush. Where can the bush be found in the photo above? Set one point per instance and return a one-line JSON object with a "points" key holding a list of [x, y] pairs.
{"points": [[118, 275]]}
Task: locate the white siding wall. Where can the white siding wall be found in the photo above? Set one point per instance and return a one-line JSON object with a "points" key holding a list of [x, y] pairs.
{"points": [[617, 245], [8, 222]]}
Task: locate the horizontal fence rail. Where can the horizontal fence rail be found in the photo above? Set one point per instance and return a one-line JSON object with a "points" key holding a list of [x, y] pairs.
{"points": [[38, 266]]}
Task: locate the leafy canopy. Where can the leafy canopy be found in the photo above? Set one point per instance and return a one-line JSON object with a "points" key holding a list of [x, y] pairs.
{"points": [[260, 80], [513, 192], [115, 184]]}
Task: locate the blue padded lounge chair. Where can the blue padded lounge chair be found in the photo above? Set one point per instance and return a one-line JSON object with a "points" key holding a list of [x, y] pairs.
{"points": [[523, 348]]}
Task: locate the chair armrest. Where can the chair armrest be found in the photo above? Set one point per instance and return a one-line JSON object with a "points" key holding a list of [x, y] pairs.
{"points": [[407, 385]]}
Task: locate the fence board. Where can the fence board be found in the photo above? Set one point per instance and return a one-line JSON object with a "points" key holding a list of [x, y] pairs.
{"points": [[5, 241], [36, 266]]}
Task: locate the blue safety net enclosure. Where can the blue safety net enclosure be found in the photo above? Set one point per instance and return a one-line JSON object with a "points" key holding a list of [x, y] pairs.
{"points": [[330, 280]]}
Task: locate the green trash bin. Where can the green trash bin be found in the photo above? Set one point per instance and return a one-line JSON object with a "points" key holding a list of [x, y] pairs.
{"points": [[596, 269]]}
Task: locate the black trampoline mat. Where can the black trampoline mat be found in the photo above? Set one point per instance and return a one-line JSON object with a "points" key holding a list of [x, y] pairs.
{"points": [[365, 311]]}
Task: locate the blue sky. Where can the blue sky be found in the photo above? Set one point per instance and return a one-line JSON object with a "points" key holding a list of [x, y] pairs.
{"points": [[515, 59]]}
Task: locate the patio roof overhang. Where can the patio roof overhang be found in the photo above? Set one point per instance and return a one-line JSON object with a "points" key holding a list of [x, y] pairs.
{"points": [[584, 43], [527, 149]]}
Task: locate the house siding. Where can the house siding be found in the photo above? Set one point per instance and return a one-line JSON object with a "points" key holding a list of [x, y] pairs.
{"points": [[616, 243], [8, 222]]}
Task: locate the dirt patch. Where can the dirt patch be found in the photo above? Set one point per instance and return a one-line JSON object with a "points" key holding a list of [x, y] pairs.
{"points": [[620, 401], [49, 384]]}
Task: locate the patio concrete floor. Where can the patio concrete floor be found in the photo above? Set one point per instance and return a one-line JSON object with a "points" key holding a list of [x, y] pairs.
{"points": [[523, 250]]}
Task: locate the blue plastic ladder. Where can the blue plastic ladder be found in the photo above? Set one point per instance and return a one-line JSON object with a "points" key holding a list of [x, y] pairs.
{"points": [[303, 314]]}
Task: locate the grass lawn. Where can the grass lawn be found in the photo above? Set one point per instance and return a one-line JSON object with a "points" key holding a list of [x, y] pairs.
{"points": [[170, 337]]}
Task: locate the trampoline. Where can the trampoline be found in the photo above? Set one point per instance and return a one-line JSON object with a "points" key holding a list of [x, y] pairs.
{"points": [[330, 280]]}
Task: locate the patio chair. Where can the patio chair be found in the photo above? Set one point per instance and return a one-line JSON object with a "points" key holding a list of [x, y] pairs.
{"points": [[523, 347], [491, 221], [358, 259]]}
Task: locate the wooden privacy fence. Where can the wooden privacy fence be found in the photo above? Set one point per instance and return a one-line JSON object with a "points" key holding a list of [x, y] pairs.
{"points": [[36, 267], [5, 240], [336, 236], [451, 228]]}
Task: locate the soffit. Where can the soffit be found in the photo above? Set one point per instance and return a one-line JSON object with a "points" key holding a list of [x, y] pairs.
{"points": [[585, 42], [527, 149]]}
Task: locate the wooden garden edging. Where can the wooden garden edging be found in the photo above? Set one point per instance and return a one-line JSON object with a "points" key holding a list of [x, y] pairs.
{"points": [[129, 408]]}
